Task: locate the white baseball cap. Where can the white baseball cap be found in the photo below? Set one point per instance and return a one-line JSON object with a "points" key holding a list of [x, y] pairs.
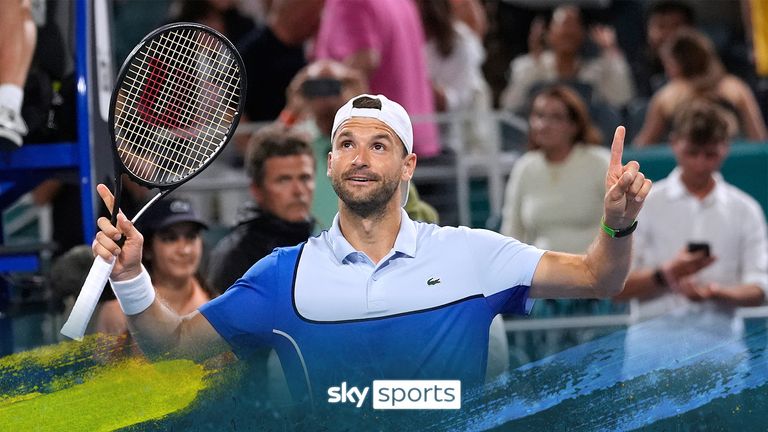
{"points": [[391, 114]]}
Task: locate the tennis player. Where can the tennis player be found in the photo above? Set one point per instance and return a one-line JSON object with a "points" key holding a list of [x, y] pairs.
{"points": [[378, 296]]}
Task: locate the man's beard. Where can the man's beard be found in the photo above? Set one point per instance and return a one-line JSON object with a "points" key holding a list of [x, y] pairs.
{"points": [[374, 203]]}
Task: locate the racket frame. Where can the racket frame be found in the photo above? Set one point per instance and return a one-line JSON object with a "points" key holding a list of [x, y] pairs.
{"points": [[119, 166], [98, 275]]}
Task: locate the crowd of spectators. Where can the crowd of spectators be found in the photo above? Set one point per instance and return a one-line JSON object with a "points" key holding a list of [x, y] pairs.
{"points": [[627, 59]]}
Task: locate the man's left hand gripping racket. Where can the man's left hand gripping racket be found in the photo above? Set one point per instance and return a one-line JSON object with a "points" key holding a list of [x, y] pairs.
{"points": [[177, 102]]}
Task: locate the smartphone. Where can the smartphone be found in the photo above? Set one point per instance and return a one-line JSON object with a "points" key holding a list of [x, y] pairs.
{"points": [[698, 247], [321, 87]]}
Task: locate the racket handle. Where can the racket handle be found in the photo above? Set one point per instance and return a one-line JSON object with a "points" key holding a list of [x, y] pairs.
{"points": [[87, 299]]}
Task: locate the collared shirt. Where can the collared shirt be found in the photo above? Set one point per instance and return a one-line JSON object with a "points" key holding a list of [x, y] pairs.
{"points": [[422, 312], [728, 219]]}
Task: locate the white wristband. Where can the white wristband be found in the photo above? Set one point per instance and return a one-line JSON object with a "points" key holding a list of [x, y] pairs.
{"points": [[134, 295]]}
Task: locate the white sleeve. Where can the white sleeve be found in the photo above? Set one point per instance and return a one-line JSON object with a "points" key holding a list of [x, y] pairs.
{"points": [[754, 253], [641, 243], [501, 262]]}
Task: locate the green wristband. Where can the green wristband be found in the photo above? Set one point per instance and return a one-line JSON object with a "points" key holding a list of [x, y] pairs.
{"points": [[618, 233]]}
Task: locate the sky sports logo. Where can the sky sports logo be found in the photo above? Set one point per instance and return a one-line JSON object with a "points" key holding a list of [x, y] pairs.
{"points": [[401, 394]]}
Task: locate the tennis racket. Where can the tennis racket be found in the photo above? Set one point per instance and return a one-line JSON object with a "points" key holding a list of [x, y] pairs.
{"points": [[177, 102]]}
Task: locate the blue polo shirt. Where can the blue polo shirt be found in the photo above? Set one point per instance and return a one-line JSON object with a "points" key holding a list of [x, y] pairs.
{"points": [[422, 312]]}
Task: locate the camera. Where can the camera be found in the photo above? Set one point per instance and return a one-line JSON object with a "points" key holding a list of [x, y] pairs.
{"points": [[321, 87], [694, 247]]}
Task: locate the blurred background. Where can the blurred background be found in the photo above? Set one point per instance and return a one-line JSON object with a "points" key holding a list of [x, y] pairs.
{"points": [[473, 75]]}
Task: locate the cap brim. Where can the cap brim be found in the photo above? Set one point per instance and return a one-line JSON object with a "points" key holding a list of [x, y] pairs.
{"points": [[180, 219]]}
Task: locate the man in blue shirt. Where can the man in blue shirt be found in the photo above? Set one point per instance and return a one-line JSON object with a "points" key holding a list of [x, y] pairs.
{"points": [[378, 296]]}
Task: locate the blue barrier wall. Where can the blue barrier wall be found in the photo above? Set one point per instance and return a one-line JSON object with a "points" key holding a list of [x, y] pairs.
{"points": [[745, 168]]}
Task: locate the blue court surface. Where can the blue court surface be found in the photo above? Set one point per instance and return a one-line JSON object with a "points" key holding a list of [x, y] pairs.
{"points": [[671, 373], [678, 378]]}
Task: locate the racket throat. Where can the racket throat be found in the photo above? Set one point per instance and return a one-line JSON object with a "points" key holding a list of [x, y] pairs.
{"points": [[118, 194], [116, 205]]}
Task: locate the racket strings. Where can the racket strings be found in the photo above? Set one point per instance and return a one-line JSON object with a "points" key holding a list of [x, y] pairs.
{"points": [[218, 67], [152, 84], [171, 131], [177, 103], [169, 158], [204, 99], [171, 127], [205, 78]]}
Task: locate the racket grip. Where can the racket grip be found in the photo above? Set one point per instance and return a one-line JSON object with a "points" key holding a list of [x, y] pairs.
{"points": [[87, 300]]}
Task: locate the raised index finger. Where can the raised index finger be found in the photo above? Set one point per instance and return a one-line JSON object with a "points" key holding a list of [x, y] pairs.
{"points": [[617, 147], [106, 196]]}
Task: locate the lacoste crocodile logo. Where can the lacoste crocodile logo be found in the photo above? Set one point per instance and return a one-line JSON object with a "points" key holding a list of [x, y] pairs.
{"points": [[433, 281]]}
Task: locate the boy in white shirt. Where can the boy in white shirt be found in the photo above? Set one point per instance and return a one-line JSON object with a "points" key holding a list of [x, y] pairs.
{"points": [[695, 205]]}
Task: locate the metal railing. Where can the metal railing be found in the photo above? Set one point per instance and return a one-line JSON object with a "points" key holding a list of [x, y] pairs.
{"points": [[491, 160]]}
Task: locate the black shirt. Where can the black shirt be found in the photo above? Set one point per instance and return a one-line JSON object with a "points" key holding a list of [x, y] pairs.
{"points": [[270, 67], [256, 235]]}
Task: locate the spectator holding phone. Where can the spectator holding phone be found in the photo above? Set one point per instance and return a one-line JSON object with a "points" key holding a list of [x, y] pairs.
{"points": [[314, 95], [384, 41], [703, 244]]}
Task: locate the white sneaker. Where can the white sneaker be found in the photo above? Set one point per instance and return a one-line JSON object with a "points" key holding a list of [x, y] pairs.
{"points": [[12, 129]]}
